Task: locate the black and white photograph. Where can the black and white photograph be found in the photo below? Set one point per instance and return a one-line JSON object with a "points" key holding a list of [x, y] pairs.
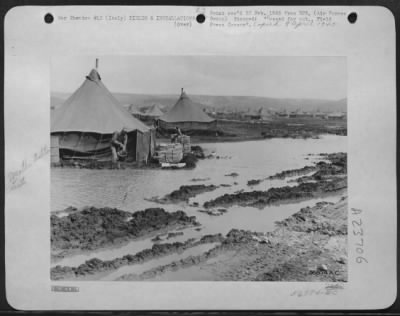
{"points": [[198, 168], [187, 158]]}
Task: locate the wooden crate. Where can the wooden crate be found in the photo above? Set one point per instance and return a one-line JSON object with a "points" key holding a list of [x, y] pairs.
{"points": [[186, 148], [185, 141], [172, 153]]}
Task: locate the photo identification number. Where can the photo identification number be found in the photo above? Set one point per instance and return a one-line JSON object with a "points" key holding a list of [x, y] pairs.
{"points": [[358, 232]]}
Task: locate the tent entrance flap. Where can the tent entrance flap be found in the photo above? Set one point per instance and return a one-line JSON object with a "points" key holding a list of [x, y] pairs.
{"points": [[145, 146], [94, 146]]}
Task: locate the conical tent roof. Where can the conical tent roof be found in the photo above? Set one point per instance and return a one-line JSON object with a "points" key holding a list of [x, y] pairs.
{"points": [[134, 109], [154, 110], [185, 110], [92, 108]]}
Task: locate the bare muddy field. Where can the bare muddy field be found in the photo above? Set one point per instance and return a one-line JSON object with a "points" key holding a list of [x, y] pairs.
{"points": [[225, 220], [311, 245]]}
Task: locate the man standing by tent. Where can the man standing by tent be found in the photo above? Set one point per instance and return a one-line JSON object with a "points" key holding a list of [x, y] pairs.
{"points": [[118, 146], [176, 135]]}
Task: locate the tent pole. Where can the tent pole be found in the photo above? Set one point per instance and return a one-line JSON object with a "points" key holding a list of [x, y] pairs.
{"points": [[63, 138], [95, 148], [136, 149], [79, 141]]}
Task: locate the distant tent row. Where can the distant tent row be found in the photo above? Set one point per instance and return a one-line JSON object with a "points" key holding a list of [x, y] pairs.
{"points": [[187, 115], [84, 124]]}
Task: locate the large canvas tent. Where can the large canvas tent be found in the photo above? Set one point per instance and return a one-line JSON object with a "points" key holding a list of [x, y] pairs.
{"points": [[187, 115], [84, 124]]}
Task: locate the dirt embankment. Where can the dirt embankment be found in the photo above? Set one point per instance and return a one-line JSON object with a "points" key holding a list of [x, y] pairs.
{"points": [[298, 128], [311, 245], [183, 194], [93, 228], [329, 177], [96, 265]]}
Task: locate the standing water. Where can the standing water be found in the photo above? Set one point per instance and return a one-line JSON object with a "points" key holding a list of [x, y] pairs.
{"points": [[128, 189]]}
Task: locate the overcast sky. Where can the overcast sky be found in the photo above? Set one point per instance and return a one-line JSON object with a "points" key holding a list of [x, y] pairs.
{"points": [[278, 77]]}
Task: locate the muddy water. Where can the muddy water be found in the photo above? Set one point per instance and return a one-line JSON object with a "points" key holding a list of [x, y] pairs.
{"points": [[140, 268], [127, 189]]}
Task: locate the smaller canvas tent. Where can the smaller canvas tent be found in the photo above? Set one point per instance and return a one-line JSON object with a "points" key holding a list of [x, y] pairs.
{"points": [[336, 116], [283, 113], [253, 114], [266, 114], [134, 110], [187, 115], [320, 114], [154, 111], [84, 124]]}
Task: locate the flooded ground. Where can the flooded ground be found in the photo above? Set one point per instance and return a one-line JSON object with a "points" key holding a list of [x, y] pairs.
{"points": [[140, 268], [128, 189]]}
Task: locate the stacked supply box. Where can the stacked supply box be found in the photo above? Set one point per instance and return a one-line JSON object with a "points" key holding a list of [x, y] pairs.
{"points": [[185, 141], [172, 153]]}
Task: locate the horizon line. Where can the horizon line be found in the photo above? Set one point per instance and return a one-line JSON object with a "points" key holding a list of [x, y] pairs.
{"points": [[219, 95]]}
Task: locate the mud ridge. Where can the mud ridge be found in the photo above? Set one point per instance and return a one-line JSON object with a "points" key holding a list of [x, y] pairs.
{"points": [[94, 228], [96, 265], [292, 173], [183, 194], [337, 165], [277, 195], [329, 177]]}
